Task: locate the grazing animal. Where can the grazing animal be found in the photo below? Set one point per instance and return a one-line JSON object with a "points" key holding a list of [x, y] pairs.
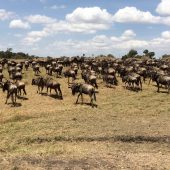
{"points": [[89, 78], [1, 68], [50, 83], [11, 91], [70, 73], [132, 79], [84, 89], [48, 69], [38, 82], [26, 65], [20, 87], [16, 76], [36, 69], [11, 70], [110, 79], [1, 77], [162, 80], [58, 70]]}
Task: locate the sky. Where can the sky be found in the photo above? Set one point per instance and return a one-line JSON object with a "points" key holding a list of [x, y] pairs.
{"points": [[76, 27]]}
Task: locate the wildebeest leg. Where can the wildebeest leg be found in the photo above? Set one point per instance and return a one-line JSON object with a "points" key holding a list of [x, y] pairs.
{"points": [[12, 98], [8, 95], [78, 98], [140, 82], [20, 92], [50, 90], [38, 89], [157, 86], [56, 91], [133, 85], [42, 87], [82, 99], [15, 97], [94, 94], [24, 91], [168, 88], [59, 89], [96, 85], [68, 80], [47, 89], [91, 102], [149, 81]]}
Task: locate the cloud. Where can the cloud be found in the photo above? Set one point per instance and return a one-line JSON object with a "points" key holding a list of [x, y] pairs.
{"points": [[128, 34], [163, 7], [39, 19], [4, 15], [19, 24], [34, 37], [132, 14], [55, 7], [93, 19], [93, 15], [81, 20], [166, 34], [101, 44]]}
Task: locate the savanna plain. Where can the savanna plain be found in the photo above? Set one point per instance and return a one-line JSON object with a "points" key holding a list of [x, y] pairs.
{"points": [[127, 129]]}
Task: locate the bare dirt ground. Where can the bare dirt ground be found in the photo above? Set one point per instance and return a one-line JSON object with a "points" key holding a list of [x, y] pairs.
{"points": [[128, 130]]}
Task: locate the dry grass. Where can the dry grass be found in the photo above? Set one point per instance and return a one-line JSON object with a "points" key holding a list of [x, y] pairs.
{"points": [[128, 130]]}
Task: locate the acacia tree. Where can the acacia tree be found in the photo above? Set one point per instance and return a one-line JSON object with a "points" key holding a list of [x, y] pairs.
{"points": [[151, 54], [8, 53], [146, 52], [132, 53]]}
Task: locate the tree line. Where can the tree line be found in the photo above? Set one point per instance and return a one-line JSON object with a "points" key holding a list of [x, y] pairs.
{"points": [[8, 54]]}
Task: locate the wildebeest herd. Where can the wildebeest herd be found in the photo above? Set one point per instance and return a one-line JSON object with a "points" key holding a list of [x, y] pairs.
{"points": [[132, 72]]}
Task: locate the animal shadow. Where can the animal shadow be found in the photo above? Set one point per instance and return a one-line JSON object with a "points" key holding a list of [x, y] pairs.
{"points": [[44, 94], [110, 86], [15, 105], [22, 97], [134, 89], [88, 104], [55, 96]]}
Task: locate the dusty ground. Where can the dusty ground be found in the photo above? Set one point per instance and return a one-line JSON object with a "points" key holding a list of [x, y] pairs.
{"points": [[128, 130]]}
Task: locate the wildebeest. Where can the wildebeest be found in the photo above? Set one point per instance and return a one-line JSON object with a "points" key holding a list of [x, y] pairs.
{"points": [[162, 80], [38, 82], [70, 73], [16, 76], [110, 79], [11, 91], [132, 79], [1, 77], [89, 78], [36, 69], [52, 84], [1, 68], [58, 70], [48, 68], [84, 89], [11, 70], [26, 65], [20, 87]]}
